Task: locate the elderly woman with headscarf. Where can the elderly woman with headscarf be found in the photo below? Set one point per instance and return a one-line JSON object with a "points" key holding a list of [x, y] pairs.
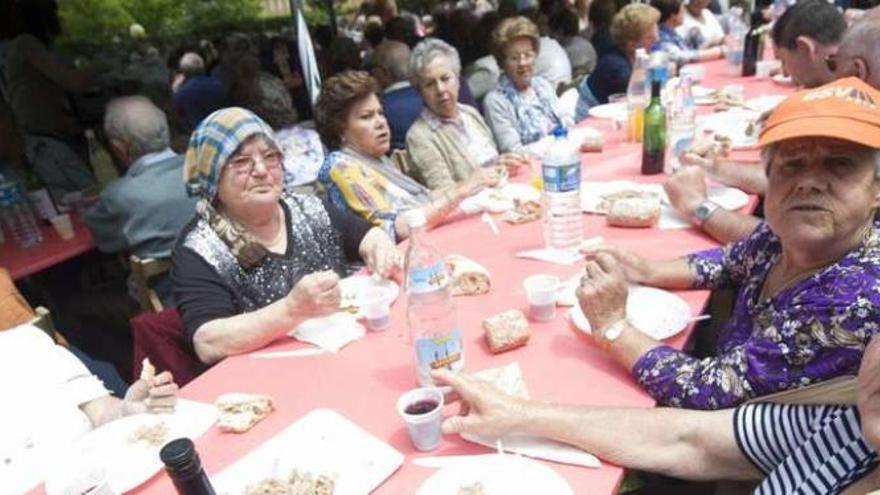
{"points": [[357, 174], [523, 109], [255, 262], [807, 280], [450, 141]]}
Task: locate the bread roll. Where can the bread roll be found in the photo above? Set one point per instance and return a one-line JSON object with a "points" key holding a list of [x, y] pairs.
{"points": [[506, 331], [634, 212], [240, 412], [468, 276]]}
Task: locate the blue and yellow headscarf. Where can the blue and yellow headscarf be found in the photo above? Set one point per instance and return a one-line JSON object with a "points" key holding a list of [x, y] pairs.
{"points": [[216, 138]]}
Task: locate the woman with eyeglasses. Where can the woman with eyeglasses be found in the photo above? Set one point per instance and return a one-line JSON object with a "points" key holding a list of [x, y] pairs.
{"points": [[255, 262], [523, 109]]}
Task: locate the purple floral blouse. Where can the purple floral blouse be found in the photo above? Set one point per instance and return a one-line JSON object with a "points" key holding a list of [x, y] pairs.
{"points": [[811, 331]]}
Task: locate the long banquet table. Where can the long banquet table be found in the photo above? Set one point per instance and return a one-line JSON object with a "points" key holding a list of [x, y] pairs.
{"points": [[52, 251], [363, 381]]}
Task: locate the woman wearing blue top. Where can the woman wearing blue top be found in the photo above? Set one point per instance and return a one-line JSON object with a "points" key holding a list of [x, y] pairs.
{"points": [[633, 27]]}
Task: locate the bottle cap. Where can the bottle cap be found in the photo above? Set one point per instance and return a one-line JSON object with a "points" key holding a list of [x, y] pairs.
{"points": [[560, 132], [415, 218]]}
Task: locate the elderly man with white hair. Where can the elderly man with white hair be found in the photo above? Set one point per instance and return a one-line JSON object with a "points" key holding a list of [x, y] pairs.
{"points": [[450, 141], [143, 210]]}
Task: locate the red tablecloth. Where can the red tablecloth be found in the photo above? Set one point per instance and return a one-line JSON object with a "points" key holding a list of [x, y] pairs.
{"points": [[364, 380], [53, 250]]}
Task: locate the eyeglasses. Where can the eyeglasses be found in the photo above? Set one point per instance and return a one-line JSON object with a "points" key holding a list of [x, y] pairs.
{"points": [[243, 166], [525, 57], [832, 61]]}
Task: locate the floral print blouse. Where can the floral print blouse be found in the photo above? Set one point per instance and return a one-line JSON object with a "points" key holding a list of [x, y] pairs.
{"points": [[811, 331]]}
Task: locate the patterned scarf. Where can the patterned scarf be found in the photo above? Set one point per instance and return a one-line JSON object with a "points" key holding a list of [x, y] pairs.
{"points": [[216, 139], [534, 119]]}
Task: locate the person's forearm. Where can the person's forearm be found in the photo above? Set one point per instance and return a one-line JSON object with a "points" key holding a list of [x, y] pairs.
{"points": [[710, 54], [223, 337], [670, 274], [103, 410], [443, 202], [667, 441], [729, 226], [750, 177]]}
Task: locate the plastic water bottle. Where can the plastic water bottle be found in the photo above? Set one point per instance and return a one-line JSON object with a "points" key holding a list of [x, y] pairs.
{"points": [[681, 124], [735, 40], [430, 312], [18, 216], [561, 171], [637, 95]]}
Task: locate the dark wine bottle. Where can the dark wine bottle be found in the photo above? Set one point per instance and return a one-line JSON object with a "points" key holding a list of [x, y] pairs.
{"points": [[184, 467], [654, 138], [752, 47]]}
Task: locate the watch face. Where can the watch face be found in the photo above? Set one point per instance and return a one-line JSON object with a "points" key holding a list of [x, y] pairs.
{"points": [[702, 211]]}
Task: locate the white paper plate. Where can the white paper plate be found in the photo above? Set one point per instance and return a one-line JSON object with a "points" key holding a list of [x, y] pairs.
{"points": [[592, 192], [322, 442], [354, 287], [765, 103], [497, 200], [783, 80], [729, 198], [128, 465], [733, 123], [499, 475], [609, 111], [657, 313]]}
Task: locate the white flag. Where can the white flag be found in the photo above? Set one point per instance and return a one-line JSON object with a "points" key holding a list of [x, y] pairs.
{"points": [[308, 61]]}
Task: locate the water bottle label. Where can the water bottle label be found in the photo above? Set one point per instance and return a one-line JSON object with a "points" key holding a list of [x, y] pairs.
{"points": [[560, 179], [440, 351], [428, 279]]}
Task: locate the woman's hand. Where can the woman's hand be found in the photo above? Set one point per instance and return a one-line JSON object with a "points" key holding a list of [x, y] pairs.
{"points": [[316, 294], [381, 254], [485, 410], [686, 189], [514, 163], [602, 293], [158, 395], [635, 268]]}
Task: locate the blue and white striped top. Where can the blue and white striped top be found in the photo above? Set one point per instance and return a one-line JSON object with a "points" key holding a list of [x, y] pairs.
{"points": [[803, 449]]}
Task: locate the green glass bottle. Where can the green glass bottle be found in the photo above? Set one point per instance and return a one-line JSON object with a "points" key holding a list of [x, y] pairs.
{"points": [[654, 138]]}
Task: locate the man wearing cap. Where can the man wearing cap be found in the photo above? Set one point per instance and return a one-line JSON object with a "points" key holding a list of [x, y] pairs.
{"points": [[807, 279], [808, 282]]}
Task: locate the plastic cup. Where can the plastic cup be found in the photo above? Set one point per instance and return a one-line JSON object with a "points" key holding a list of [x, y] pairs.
{"points": [[375, 303], [63, 225], [422, 410], [618, 122], [695, 72], [541, 295]]}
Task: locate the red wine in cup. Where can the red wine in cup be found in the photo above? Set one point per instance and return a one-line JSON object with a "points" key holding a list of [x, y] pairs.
{"points": [[423, 406]]}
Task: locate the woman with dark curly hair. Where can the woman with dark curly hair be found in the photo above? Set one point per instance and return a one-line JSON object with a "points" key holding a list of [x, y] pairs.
{"points": [[358, 175]]}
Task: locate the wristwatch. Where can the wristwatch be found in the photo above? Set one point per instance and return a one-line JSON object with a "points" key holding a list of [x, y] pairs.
{"points": [[613, 332], [703, 211]]}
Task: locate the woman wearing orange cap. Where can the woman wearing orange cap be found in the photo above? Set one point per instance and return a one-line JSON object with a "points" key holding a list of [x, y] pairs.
{"points": [[807, 279]]}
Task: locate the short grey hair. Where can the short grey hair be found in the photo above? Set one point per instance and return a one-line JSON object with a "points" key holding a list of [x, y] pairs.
{"points": [[426, 52], [769, 152], [139, 123], [191, 64]]}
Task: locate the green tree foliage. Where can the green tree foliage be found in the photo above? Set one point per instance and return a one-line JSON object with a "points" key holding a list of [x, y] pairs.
{"points": [[88, 21]]}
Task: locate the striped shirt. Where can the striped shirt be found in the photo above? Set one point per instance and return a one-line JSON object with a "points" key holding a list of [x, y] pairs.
{"points": [[803, 449]]}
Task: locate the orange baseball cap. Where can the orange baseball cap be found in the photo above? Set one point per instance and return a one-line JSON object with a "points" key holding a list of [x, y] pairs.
{"points": [[847, 109]]}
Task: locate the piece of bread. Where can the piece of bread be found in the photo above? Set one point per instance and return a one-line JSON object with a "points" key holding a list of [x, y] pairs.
{"points": [[592, 144], [634, 212], [148, 371], [523, 212], [506, 331], [468, 277], [240, 412]]}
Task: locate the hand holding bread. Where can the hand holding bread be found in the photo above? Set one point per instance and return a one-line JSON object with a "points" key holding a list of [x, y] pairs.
{"points": [[602, 292]]}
